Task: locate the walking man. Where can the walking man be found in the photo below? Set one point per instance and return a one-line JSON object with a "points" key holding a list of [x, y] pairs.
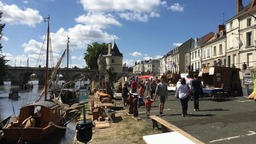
{"points": [[162, 93], [152, 87], [196, 88]]}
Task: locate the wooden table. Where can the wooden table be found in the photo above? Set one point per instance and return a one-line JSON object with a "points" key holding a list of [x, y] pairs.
{"points": [[214, 92]]}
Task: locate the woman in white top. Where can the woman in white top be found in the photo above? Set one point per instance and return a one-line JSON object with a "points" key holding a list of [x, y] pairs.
{"points": [[182, 93]]}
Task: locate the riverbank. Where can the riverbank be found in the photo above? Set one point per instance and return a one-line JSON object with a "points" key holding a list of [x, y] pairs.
{"points": [[124, 129]]}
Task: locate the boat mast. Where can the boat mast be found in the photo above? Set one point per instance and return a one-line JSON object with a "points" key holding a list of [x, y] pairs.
{"points": [[47, 57], [68, 53]]}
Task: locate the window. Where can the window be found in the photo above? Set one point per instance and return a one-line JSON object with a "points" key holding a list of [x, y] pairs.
{"points": [[208, 53], [113, 60], [214, 51], [195, 54], [231, 41], [248, 39], [231, 25], [198, 53], [249, 60], [229, 61], [234, 60], [249, 22], [220, 49]]}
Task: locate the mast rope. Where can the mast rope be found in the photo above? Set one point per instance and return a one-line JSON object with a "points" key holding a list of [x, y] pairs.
{"points": [[39, 60], [53, 74], [58, 126]]}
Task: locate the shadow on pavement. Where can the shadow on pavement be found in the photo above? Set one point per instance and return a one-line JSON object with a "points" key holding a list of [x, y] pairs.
{"points": [[217, 109], [200, 115]]}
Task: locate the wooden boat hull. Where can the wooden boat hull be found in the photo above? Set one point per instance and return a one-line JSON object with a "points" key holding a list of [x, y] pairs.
{"points": [[30, 135], [34, 127]]}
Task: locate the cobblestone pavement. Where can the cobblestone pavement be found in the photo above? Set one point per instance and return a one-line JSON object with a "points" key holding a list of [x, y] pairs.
{"points": [[228, 121]]}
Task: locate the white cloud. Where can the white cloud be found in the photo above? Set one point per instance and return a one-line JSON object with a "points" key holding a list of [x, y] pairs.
{"points": [[147, 58], [176, 44], [120, 5], [128, 62], [99, 20], [12, 14], [80, 62], [134, 16], [83, 35], [176, 7], [32, 47], [139, 10], [136, 54], [80, 36], [25, 1], [158, 56], [4, 38], [19, 60]]}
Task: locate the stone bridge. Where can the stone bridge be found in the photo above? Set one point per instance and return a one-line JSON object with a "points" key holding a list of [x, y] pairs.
{"points": [[19, 75]]}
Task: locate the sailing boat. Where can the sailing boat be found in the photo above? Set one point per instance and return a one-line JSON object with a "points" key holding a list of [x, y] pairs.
{"points": [[67, 93], [37, 120]]}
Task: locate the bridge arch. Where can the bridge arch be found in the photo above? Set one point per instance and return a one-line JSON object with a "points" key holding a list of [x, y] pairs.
{"points": [[18, 75]]}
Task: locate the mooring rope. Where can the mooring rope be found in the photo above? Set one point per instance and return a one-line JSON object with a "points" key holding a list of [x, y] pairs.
{"points": [[58, 126]]}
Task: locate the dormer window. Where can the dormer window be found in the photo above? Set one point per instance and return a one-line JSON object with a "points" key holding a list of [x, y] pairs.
{"points": [[249, 22]]}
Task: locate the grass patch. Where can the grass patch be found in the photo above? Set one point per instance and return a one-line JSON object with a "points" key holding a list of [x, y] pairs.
{"points": [[127, 131]]}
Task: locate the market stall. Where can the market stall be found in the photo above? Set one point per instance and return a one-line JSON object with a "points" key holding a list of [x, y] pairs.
{"points": [[222, 77]]}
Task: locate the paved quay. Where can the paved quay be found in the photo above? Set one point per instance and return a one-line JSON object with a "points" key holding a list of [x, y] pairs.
{"points": [[228, 121]]}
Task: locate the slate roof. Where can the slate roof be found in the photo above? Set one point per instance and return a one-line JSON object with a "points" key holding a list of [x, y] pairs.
{"points": [[116, 51]]}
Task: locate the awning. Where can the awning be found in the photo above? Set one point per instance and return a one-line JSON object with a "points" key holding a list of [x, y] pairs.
{"points": [[145, 77]]}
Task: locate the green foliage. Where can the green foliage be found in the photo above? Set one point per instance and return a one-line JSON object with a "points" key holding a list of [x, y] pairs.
{"points": [[92, 53], [2, 60], [1, 30]]}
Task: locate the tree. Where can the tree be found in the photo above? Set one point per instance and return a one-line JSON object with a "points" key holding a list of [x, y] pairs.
{"points": [[93, 52], [2, 60]]}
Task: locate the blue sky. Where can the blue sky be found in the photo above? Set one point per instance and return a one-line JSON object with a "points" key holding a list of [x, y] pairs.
{"points": [[142, 29]]}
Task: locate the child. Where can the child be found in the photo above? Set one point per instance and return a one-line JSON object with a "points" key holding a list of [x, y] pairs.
{"points": [[148, 104]]}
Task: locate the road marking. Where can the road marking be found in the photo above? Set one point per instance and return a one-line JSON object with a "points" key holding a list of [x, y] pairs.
{"points": [[244, 101], [233, 137]]}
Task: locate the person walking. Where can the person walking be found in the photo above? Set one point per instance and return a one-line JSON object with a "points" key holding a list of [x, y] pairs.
{"points": [[148, 104], [125, 94], [152, 88], [141, 92], [134, 86], [162, 93], [196, 88], [182, 93]]}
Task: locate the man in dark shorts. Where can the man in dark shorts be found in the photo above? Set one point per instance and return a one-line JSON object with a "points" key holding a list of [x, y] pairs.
{"points": [[162, 93]]}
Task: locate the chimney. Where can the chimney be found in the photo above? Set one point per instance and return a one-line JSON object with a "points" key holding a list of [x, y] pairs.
{"points": [[221, 27], [109, 48], [239, 6]]}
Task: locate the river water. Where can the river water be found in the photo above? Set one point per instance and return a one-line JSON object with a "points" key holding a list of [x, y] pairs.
{"points": [[11, 107]]}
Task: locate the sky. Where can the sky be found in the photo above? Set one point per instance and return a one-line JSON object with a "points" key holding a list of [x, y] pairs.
{"points": [[142, 29]]}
